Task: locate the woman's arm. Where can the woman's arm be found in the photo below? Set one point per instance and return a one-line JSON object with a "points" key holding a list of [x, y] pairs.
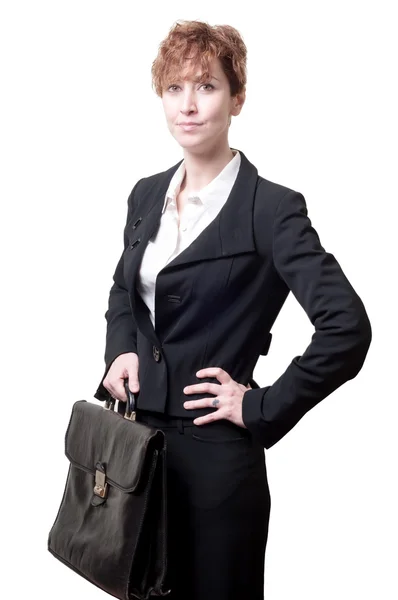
{"points": [[121, 332], [342, 328]]}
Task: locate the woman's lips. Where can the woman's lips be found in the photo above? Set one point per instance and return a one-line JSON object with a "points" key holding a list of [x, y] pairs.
{"points": [[190, 127]]}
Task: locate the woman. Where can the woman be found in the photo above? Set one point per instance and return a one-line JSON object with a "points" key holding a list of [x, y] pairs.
{"points": [[211, 251]]}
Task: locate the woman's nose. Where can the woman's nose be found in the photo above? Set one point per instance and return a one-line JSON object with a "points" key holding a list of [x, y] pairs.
{"points": [[188, 102]]}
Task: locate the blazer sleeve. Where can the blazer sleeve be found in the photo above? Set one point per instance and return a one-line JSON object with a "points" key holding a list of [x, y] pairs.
{"points": [[342, 328], [121, 330]]}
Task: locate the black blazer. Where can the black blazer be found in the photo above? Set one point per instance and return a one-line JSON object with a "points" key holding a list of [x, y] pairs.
{"points": [[216, 302]]}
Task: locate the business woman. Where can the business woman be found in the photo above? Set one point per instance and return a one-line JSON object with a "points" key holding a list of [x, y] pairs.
{"points": [[211, 251]]}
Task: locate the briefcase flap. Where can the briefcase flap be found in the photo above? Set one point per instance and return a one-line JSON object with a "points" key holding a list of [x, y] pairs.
{"points": [[96, 434]]}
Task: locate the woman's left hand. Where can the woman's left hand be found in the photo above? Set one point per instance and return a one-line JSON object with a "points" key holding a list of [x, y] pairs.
{"points": [[228, 397]]}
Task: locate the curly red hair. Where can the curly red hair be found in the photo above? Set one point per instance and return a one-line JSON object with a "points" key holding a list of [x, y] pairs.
{"points": [[200, 42]]}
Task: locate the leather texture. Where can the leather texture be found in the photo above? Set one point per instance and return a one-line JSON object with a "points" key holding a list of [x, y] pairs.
{"points": [[117, 542]]}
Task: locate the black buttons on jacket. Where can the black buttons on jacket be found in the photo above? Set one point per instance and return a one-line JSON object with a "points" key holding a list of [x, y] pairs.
{"points": [[135, 243], [156, 353], [138, 221]]}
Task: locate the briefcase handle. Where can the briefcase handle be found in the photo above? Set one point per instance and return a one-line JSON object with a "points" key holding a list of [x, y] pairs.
{"points": [[129, 410]]}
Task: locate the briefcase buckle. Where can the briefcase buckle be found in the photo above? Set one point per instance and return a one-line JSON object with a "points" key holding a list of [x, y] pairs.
{"points": [[110, 403], [101, 487], [130, 416]]}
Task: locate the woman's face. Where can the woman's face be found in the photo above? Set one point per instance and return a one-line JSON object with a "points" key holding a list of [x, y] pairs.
{"points": [[208, 104]]}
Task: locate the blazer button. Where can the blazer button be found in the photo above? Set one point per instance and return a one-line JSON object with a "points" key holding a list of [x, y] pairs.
{"points": [[135, 243], [156, 353]]}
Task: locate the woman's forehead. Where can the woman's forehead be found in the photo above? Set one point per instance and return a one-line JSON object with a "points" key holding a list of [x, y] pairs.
{"points": [[194, 71]]}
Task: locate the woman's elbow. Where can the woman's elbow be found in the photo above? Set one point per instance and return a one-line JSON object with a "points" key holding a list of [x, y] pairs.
{"points": [[359, 350]]}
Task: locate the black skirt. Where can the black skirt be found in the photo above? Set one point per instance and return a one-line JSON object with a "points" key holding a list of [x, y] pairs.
{"points": [[218, 509]]}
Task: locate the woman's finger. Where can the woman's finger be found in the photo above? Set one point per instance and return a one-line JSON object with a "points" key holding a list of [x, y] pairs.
{"points": [[201, 403], [202, 388]]}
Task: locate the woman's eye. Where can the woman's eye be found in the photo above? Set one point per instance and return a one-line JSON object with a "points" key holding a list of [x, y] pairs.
{"points": [[209, 85]]}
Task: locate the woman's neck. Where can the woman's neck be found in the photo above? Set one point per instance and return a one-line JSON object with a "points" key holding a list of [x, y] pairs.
{"points": [[201, 169]]}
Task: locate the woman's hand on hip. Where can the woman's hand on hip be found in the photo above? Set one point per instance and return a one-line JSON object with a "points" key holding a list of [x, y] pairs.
{"points": [[228, 397], [124, 365]]}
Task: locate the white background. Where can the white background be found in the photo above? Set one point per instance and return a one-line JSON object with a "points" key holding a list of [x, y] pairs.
{"points": [[80, 125]]}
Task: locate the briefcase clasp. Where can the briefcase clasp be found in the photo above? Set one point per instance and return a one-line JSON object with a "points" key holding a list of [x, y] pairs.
{"points": [[101, 487]]}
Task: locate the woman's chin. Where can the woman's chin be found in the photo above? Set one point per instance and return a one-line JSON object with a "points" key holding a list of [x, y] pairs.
{"points": [[189, 144]]}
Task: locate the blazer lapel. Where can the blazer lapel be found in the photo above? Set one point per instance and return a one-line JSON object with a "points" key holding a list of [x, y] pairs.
{"points": [[230, 232], [145, 224]]}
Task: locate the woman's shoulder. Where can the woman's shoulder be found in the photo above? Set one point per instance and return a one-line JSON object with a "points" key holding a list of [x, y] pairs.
{"points": [[158, 178], [270, 196], [267, 189], [150, 184]]}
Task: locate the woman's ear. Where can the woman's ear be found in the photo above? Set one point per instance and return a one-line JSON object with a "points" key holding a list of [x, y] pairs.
{"points": [[237, 103]]}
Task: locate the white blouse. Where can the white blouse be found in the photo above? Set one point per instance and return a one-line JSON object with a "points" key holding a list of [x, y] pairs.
{"points": [[199, 210]]}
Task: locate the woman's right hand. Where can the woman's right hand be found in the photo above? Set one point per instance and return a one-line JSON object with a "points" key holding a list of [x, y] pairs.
{"points": [[124, 365]]}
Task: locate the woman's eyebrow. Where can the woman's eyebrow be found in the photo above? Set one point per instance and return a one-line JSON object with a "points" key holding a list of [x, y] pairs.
{"points": [[196, 79]]}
